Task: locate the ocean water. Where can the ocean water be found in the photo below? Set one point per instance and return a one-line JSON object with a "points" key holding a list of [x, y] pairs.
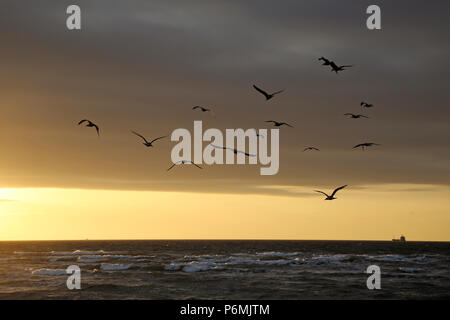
{"points": [[224, 269]]}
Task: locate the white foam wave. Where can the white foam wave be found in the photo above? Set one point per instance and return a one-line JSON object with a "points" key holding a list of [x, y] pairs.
{"points": [[172, 267], [90, 259], [50, 272], [278, 254], [197, 266], [80, 252], [400, 258], [115, 267], [236, 261], [77, 252]]}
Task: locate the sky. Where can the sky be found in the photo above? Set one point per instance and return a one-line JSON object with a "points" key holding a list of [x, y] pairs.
{"points": [[143, 65]]}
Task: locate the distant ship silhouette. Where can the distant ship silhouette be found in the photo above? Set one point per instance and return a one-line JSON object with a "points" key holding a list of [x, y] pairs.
{"points": [[402, 239]]}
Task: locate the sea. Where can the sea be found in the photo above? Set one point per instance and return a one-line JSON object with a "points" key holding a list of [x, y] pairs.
{"points": [[216, 269]]}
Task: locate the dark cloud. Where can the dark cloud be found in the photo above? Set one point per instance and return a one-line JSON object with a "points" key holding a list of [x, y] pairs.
{"points": [[143, 64]]}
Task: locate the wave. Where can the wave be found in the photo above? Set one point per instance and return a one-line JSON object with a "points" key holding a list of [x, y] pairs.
{"points": [[410, 270], [400, 258], [114, 267], [90, 259], [50, 272], [193, 266], [54, 259], [278, 254], [77, 252], [7, 259], [213, 264]]}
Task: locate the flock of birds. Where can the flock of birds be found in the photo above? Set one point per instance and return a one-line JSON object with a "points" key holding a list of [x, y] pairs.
{"points": [[326, 62]]}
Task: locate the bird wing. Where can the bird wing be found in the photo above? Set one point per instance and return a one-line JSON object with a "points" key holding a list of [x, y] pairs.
{"points": [[172, 166], [247, 154], [219, 147], [315, 148], [273, 121], [139, 135], [157, 139], [306, 149], [322, 193], [348, 66], [98, 130], [277, 92], [333, 65], [195, 165], [82, 121], [196, 107], [337, 189], [358, 145], [363, 116], [287, 124], [261, 91]]}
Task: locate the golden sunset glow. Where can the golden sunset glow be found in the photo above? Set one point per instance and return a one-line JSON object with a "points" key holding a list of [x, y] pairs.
{"points": [[143, 68], [103, 214]]}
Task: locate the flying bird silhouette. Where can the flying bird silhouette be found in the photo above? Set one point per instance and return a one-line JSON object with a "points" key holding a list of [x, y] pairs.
{"points": [[183, 162], [355, 116], [366, 144], [310, 148], [146, 142], [91, 125], [267, 95], [328, 197], [337, 68], [366, 105], [235, 151], [279, 124], [326, 62], [201, 108]]}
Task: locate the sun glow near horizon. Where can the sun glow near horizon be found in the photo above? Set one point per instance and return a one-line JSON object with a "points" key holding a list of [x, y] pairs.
{"points": [[376, 212]]}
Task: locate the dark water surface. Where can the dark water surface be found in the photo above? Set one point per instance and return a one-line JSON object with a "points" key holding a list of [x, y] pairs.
{"points": [[224, 269]]}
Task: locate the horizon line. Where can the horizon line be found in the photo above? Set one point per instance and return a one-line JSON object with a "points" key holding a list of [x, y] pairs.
{"points": [[223, 239]]}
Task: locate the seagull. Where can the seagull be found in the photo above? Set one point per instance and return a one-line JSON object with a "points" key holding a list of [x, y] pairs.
{"points": [[267, 95], [355, 116], [326, 62], [279, 124], [183, 162], [366, 105], [332, 195], [367, 144], [90, 124], [235, 151], [337, 68], [201, 108], [310, 148], [146, 143]]}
